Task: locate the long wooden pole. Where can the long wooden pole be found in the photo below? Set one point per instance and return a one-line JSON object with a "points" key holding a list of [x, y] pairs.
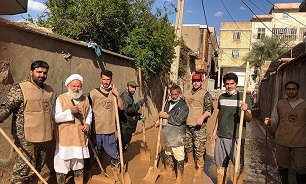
{"points": [[237, 160], [142, 109], [119, 136], [159, 129], [22, 156]]}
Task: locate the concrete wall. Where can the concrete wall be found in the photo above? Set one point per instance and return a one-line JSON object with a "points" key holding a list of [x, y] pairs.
{"points": [[21, 44]]}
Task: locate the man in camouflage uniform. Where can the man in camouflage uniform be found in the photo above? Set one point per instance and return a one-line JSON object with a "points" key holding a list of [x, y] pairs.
{"points": [[129, 116], [30, 103], [200, 106]]}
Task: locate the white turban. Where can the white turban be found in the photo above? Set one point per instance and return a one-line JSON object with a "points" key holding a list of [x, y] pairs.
{"points": [[73, 77]]}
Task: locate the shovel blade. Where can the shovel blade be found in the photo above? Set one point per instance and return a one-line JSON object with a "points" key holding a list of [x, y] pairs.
{"points": [[145, 154], [151, 175], [125, 178], [95, 179]]}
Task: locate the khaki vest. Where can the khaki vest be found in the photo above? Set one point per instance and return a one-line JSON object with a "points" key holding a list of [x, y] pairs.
{"points": [[291, 131], [103, 111], [195, 104], [70, 133], [37, 112]]}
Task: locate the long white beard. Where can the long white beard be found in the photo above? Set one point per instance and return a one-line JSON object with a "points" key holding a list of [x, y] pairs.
{"points": [[231, 92], [75, 95]]}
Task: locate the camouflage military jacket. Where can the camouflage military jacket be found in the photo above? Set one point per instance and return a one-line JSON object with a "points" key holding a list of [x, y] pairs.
{"points": [[14, 104]]}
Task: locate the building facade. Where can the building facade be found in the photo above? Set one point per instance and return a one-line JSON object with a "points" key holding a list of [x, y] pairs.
{"points": [[284, 21], [235, 43], [202, 42]]}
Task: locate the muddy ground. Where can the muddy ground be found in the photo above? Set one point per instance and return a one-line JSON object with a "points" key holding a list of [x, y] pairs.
{"points": [[260, 166]]}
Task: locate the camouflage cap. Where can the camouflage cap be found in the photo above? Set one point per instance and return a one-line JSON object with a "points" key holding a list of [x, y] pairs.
{"points": [[132, 83]]}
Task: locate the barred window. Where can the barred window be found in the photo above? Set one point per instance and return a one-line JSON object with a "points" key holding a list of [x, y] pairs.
{"points": [[236, 35], [235, 53], [285, 14], [261, 33]]}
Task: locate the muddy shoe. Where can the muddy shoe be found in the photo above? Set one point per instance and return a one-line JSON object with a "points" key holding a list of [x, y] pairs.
{"points": [[190, 159]]}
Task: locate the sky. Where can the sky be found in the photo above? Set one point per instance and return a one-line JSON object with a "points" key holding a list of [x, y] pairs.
{"points": [[193, 10]]}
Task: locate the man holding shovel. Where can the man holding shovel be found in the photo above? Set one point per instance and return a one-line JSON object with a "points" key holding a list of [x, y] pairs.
{"points": [[102, 101], [288, 119], [226, 130], [130, 115], [30, 103], [200, 106], [174, 131], [73, 116]]}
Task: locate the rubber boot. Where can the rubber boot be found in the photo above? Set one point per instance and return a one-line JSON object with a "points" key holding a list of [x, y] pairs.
{"points": [[169, 165], [61, 178], [78, 176], [221, 175], [283, 173], [300, 178], [180, 172], [200, 167], [190, 159]]}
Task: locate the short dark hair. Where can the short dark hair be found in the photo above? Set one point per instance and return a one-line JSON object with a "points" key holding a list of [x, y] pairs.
{"points": [[106, 73], [39, 64], [292, 82], [230, 76], [176, 87]]}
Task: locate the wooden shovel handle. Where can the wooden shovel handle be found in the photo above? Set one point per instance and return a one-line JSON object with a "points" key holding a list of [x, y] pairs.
{"points": [[159, 130], [119, 133], [237, 160], [142, 108], [93, 148], [22, 156]]}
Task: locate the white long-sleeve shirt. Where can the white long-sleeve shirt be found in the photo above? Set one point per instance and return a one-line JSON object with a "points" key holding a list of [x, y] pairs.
{"points": [[65, 116]]}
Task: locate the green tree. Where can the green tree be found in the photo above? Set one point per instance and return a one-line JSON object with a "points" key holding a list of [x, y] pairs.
{"points": [[266, 49], [124, 26]]}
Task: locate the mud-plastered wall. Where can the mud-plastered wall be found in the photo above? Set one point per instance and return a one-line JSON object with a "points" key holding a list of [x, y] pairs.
{"points": [[21, 44]]}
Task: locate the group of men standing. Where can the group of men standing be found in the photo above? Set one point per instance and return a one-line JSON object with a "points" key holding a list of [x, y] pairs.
{"points": [[185, 115], [184, 125], [76, 118]]}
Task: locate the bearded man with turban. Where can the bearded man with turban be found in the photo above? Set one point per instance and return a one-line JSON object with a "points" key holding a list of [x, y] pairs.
{"points": [[73, 117]]}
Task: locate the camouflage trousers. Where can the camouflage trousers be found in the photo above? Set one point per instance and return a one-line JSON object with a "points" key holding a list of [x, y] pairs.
{"points": [[61, 177], [35, 153], [196, 140]]}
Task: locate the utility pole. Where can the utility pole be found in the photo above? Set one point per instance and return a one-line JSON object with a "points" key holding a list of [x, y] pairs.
{"points": [[178, 31]]}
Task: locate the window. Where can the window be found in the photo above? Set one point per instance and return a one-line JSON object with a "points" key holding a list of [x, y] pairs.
{"points": [[235, 53], [261, 33], [287, 34], [285, 14], [236, 35]]}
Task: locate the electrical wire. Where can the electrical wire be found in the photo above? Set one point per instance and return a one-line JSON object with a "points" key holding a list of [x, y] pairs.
{"points": [[204, 12], [277, 36], [268, 14], [235, 21], [286, 13]]}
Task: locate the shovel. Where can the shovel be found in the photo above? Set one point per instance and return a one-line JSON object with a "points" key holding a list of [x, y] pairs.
{"points": [[124, 176], [22, 156], [153, 172], [106, 179], [237, 159], [145, 153]]}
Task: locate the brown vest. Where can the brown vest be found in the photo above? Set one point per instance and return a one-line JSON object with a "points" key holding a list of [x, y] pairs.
{"points": [[103, 111], [195, 104], [37, 112], [70, 133], [291, 131]]}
